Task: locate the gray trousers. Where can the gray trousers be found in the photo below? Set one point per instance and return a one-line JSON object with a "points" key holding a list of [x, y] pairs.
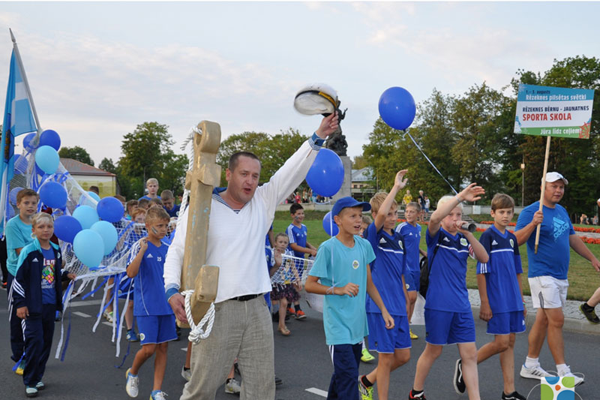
{"points": [[242, 329]]}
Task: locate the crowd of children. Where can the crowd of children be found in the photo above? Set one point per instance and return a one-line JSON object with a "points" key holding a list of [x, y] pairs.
{"points": [[369, 274]]}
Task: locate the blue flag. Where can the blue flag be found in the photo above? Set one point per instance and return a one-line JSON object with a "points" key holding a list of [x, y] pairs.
{"points": [[18, 120]]}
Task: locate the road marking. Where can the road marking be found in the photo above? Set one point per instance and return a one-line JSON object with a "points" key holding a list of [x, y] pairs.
{"points": [[85, 303], [316, 391], [84, 315], [110, 324]]}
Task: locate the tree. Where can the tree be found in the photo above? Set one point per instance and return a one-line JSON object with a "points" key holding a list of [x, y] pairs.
{"points": [[147, 153], [76, 153], [107, 165], [272, 150], [359, 162]]}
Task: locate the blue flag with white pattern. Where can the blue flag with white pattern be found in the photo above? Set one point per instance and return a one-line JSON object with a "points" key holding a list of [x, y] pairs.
{"points": [[18, 120]]}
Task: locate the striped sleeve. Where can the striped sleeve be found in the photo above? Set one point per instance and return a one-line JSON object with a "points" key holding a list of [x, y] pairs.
{"points": [[290, 233], [483, 268]]}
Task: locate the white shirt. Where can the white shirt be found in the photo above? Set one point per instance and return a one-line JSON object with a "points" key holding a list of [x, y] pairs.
{"points": [[236, 240]]}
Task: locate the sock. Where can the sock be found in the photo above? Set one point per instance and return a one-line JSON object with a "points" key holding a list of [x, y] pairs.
{"points": [[562, 369], [417, 393], [228, 380], [587, 307], [363, 345], [154, 392], [297, 307], [531, 362], [366, 381], [185, 369]]}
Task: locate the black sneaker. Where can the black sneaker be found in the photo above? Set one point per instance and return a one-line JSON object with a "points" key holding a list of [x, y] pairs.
{"points": [[420, 396], [513, 396], [589, 313], [459, 382]]}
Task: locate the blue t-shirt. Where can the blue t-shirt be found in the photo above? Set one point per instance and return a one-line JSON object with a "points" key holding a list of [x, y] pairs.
{"points": [[501, 270], [173, 211], [553, 253], [387, 270], [448, 276], [270, 263], [298, 236], [148, 284], [148, 197], [344, 317], [412, 239], [49, 277], [18, 234]]}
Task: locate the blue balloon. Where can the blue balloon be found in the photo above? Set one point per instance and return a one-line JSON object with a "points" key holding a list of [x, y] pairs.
{"points": [[27, 142], [110, 209], [12, 195], [20, 164], [53, 195], [50, 138], [86, 216], [326, 175], [109, 235], [66, 228], [397, 108], [329, 225], [94, 196], [47, 159], [88, 247]]}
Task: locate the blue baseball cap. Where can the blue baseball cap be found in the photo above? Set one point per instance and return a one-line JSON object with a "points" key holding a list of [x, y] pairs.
{"points": [[348, 202]]}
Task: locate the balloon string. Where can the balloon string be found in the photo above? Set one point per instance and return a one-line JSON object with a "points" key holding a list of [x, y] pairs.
{"points": [[430, 162]]}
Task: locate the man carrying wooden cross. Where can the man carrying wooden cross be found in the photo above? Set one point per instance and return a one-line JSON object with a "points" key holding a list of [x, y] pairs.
{"points": [[240, 218], [548, 273]]}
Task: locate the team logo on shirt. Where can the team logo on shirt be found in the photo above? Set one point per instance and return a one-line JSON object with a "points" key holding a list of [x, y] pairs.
{"points": [[494, 242], [446, 239], [560, 227], [512, 243], [355, 264], [142, 336], [400, 244], [150, 256], [463, 241], [382, 241]]}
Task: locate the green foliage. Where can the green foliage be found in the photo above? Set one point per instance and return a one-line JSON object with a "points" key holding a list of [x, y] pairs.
{"points": [[272, 150], [76, 153], [147, 154], [108, 165], [470, 139]]}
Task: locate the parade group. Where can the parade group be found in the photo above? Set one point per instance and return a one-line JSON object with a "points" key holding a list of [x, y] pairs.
{"points": [[369, 275]]}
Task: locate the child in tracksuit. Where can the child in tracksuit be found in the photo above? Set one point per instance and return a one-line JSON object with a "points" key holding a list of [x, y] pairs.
{"points": [[37, 295]]}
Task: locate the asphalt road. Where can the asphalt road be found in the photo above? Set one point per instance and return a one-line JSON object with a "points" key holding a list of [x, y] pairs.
{"points": [[301, 360]]}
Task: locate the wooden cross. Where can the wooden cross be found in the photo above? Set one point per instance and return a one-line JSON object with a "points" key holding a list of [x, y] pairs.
{"points": [[200, 181]]}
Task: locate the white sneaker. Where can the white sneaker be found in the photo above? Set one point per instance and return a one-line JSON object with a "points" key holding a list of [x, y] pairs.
{"points": [[536, 372], [187, 374], [568, 373], [131, 387], [232, 386]]}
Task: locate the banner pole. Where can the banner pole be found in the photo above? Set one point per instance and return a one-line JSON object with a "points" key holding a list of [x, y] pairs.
{"points": [[537, 231]]}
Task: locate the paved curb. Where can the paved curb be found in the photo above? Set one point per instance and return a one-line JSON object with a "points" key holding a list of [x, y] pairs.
{"points": [[574, 319]]}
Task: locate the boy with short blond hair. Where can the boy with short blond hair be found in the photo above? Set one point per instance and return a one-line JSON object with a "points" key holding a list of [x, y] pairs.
{"points": [[501, 293], [448, 315], [18, 235], [155, 317], [152, 187], [388, 272], [342, 266]]}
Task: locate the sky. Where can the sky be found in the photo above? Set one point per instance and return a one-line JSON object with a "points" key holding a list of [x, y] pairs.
{"points": [[97, 70]]}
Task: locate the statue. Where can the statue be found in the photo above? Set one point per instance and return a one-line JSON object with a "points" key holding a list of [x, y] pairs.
{"points": [[337, 141]]}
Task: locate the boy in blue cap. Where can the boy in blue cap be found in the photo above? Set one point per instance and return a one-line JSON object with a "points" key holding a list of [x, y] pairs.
{"points": [[342, 266]]}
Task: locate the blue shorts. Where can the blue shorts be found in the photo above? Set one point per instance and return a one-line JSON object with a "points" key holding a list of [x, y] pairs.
{"points": [[506, 323], [156, 329], [413, 280], [345, 359], [385, 340], [445, 327]]}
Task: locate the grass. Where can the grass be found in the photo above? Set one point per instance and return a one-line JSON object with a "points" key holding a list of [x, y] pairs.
{"points": [[583, 279]]}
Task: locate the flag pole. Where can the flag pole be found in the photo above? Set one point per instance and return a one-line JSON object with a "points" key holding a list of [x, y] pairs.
{"points": [[537, 231], [25, 81]]}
